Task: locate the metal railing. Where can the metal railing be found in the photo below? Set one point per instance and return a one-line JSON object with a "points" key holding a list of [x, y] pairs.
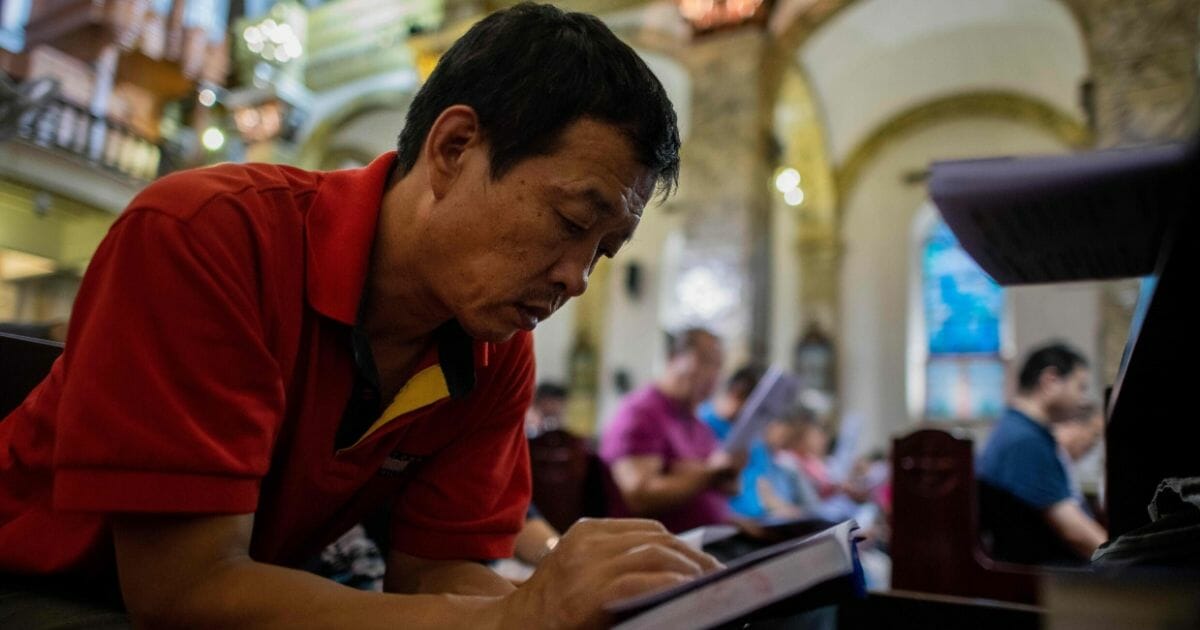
{"points": [[63, 126]]}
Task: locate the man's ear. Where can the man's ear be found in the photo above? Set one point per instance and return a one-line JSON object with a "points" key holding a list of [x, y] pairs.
{"points": [[454, 132], [1049, 378]]}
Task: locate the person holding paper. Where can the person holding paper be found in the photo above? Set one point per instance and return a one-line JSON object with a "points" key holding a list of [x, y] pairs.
{"points": [[721, 414], [722, 410], [666, 461]]}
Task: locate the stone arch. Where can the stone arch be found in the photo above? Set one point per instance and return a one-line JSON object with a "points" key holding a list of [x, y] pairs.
{"points": [[983, 104], [797, 31], [316, 140]]}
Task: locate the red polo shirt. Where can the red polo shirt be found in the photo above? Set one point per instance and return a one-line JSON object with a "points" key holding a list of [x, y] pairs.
{"points": [[209, 368]]}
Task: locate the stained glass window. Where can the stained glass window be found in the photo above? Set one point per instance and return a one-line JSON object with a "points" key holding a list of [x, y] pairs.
{"points": [[964, 375], [13, 16]]}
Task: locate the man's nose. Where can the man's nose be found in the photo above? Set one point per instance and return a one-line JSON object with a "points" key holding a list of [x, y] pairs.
{"points": [[570, 275]]}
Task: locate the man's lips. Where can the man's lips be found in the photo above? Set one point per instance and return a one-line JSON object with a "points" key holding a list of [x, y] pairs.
{"points": [[531, 314]]}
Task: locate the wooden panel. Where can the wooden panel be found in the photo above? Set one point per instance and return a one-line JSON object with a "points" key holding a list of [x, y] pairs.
{"points": [[163, 78], [935, 526], [896, 610], [1151, 430]]}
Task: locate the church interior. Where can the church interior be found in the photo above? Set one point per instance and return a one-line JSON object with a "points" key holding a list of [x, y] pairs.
{"points": [[804, 236]]}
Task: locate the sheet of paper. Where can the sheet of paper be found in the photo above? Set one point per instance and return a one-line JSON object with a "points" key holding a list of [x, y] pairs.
{"points": [[772, 397]]}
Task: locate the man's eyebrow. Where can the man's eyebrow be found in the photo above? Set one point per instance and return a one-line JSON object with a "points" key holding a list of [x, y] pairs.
{"points": [[598, 201], [594, 198]]}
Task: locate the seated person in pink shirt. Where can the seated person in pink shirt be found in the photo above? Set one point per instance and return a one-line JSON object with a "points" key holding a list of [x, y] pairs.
{"points": [[666, 461]]}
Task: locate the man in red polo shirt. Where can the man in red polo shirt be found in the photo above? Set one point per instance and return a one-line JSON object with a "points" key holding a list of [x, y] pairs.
{"points": [[260, 356]]}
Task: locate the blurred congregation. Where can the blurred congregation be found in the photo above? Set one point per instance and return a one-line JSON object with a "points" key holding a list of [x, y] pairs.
{"points": [[962, 421]]}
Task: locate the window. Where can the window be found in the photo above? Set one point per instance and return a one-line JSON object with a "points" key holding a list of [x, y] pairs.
{"points": [[962, 309], [13, 16]]}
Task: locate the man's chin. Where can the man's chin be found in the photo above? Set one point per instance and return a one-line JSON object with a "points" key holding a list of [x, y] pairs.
{"points": [[490, 332]]}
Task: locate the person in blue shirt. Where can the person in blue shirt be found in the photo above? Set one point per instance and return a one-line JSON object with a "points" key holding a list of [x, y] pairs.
{"points": [[722, 410], [1021, 457], [719, 414]]}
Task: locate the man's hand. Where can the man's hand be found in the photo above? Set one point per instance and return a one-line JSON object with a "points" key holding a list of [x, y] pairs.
{"points": [[598, 562], [725, 469], [651, 491]]}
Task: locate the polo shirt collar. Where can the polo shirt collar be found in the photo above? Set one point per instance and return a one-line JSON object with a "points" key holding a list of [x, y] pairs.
{"points": [[340, 229]]}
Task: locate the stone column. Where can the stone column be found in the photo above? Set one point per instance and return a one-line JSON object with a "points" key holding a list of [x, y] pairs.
{"points": [[820, 262], [1143, 59], [724, 187], [1143, 66]]}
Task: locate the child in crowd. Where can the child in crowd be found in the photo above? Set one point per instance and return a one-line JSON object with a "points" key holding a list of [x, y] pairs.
{"points": [[782, 490]]}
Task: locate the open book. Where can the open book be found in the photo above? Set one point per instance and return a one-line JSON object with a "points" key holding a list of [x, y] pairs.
{"points": [[786, 578]]}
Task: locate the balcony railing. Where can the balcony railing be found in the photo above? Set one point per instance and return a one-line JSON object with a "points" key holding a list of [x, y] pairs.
{"points": [[61, 126]]}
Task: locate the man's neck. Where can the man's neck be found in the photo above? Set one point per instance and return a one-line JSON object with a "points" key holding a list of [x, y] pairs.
{"points": [[1032, 408], [676, 390], [401, 308]]}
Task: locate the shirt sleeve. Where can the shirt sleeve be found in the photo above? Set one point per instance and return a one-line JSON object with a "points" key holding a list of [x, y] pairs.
{"points": [[171, 400], [468, 501], [634, 431]]}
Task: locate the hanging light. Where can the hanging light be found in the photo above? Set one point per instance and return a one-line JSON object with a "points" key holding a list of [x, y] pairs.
{"points": [[213, 139], [275, 42], [787, 179]]}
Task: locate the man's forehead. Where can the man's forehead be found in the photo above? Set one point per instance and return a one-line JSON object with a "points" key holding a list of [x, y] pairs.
{"points": [[710, 346]]}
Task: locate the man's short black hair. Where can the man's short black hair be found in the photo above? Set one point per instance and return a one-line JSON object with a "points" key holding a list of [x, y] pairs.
{"points": [[1060, 357], [547, 389], [743, 380], [532, 70]]}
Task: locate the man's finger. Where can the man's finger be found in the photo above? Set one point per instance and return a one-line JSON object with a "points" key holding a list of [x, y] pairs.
{"points": [[634, 584], [617, 545]]}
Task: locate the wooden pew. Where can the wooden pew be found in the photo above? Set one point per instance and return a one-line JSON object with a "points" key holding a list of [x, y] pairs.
{"points": [[902, 610], [935, 530], [570, 481]]}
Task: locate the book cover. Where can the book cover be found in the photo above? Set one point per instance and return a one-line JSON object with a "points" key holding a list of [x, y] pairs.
{"points": [[787, 578]]}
